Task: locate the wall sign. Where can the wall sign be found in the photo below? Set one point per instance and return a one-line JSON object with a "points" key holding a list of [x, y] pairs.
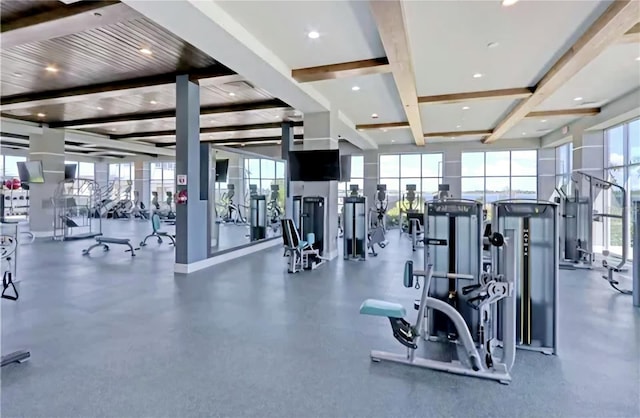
{"points": [[181, 180]]}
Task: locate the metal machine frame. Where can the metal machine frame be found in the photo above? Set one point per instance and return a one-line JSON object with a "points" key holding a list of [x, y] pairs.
{"points": [[530, 228], [491, 296]]}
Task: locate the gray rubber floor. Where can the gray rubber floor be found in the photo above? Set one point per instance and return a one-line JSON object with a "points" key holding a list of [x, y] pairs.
{"points": [[118, 336]]}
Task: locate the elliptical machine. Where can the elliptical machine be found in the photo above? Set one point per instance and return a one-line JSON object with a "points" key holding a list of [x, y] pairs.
{"points": [[378, 220], [273, 209], [232, 213]]}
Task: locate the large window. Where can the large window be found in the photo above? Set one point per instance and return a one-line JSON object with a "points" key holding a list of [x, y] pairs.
{"points": [[83, 171], [622, 166], [162, 178], [564, 167], [399, 170], [10, 166], [264, 172], [121, 177], [491, 176]]}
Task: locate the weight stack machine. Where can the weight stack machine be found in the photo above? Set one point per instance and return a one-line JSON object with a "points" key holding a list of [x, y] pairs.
{"points": [[530, 256], [312, 220], [355, 228], [258, 217]]}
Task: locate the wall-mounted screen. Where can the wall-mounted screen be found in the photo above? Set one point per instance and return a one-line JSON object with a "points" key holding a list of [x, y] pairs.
{"points": [[31, 171], [70, 171], [318, 165], [222, 166]]}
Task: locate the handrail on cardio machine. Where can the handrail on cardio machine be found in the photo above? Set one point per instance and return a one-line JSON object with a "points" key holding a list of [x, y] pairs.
{"points": [[606, 185]]}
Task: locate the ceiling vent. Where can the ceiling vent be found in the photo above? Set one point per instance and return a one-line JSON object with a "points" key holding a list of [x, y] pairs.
{"points": [[235, 86]]}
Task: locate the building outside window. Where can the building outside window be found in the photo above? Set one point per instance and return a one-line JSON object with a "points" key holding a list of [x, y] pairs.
{"points": [[162, 177], [622, 166], [491, 176], [121, 177], [564, 167], [263, 172], [396, 171], [83, 171]]}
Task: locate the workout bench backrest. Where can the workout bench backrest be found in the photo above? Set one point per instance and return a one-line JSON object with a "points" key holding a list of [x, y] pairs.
{"points": [[408, 274], [155, 222], [289, 234]]}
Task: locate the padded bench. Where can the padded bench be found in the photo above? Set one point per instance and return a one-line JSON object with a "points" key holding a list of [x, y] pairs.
{"points": [[378, 307], [102, 241]]}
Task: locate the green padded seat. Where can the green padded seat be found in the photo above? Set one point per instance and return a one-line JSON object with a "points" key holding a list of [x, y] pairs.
{"points": [[382, 308]]}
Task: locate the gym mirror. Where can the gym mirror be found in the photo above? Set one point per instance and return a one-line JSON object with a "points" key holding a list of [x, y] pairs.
{"points": [[247, 198]]}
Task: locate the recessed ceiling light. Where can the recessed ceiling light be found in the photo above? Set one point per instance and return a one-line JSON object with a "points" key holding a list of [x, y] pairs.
{"points": [[17, 75], [153, 102], [384, 130], [51, 69], [313, 34], [98, 108], [113, 129], [466, 108], [543, 120], [508, 3], [374, 115], [231, 94], [145, 51], [41, 115], [458, 126], [492, 45], [355, 88], [524, 133], [638, 59], [477, 75], [453, 137], [360, 129], [393, 140], [577, 99]]}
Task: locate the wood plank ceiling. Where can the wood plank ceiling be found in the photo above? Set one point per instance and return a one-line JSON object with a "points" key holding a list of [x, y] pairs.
{"points": [[120, 70]]}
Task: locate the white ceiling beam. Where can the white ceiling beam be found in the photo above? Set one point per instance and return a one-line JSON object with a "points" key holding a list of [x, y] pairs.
{"points": [[616, 20], [389, 17], [235, 47], [17, 127]]}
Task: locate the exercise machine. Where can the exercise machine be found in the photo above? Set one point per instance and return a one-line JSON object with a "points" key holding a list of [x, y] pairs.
{"points": [[232, 212], [531, 260], [355, 236], [102, 241], [157, 233], [257, 217], [274, 210], [8, 252], [636, 255], [576, 213], [467, 328], [380, 210], [301, 253]]}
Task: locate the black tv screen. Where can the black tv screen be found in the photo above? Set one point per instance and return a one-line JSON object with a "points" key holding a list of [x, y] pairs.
{"points": [[30, 172], [70, 171], [345, 168], [319, 165], [222, 166], [22, 172]]}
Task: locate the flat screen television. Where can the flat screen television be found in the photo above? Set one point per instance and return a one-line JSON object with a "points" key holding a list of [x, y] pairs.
{"points": [[31, 172], [319, 165], [222, 166], [345, 168], [70, 171]]}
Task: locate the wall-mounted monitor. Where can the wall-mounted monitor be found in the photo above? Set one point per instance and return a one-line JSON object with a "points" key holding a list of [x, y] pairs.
{"points": [[345, 168], [319, 165], [70, 172], [222, 166], [31, 172]]}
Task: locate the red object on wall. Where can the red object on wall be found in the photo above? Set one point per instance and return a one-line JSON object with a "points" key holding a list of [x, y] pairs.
{"points": [[181, 197]]}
